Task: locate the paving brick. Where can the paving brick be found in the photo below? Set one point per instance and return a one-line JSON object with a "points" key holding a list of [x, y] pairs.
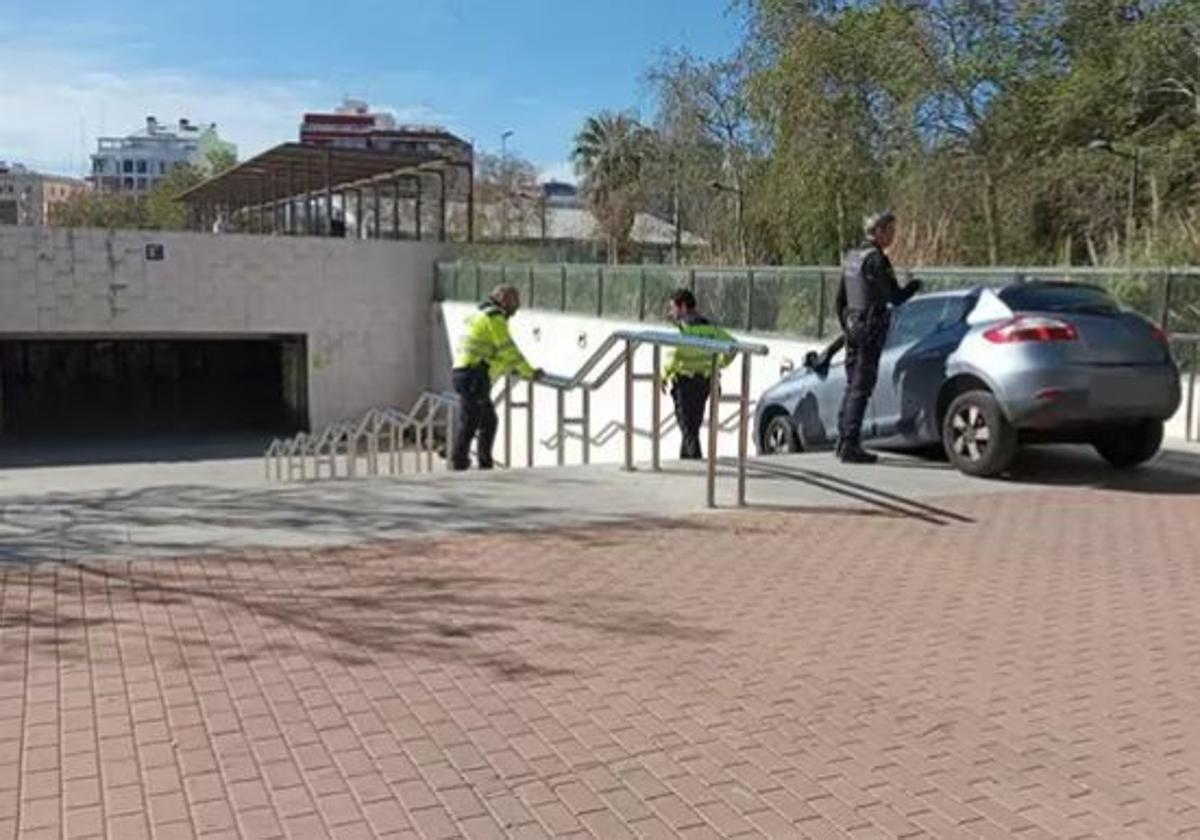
{"points": [[895, 676]]}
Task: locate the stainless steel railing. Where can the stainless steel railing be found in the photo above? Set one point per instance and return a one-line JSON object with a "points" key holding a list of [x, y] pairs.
{"points": [[378, 441], [618, 353]]}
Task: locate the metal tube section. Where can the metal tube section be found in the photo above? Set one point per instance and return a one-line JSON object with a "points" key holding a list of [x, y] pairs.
{"points": [[656, 412], [529, 440], [629, 348], [1191, 406], [714, 424], [587, 425], [561, 396], [743, 429], [508, 421]]}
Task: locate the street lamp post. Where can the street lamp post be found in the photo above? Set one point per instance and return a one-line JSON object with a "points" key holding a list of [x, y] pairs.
{"points": [[504, 185], [1135, 159], [741, 224]]}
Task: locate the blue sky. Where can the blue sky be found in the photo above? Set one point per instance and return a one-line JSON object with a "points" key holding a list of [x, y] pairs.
{"points": [[71, 69]]}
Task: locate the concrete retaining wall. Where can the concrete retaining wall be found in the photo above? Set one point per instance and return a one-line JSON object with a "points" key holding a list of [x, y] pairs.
{"points": [[363, 306]]}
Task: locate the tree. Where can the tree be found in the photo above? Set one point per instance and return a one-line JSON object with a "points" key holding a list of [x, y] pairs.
{"points": [[160, 209], [705, 146], [507, 196], [220, 158], [610, 150]]}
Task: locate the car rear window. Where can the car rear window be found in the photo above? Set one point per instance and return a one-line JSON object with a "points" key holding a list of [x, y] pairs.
{"points": [[1058, 298]]}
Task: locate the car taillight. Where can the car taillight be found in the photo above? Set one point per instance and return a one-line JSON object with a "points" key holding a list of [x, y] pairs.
{"points": [[1032, 328]]}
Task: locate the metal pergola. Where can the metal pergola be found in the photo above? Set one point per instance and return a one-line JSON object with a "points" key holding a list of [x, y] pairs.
{"points": [[291, 189]]}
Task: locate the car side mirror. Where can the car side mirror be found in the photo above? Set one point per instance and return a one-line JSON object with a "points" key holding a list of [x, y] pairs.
{"points": [[786, 367], [811, 360]]}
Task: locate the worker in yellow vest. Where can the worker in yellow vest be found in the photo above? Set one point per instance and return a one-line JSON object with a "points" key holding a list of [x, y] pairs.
{"points": [[689, 370], [486, 353]]}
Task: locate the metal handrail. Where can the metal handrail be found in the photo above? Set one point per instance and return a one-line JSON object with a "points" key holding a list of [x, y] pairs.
{"points": [[632, 340]]}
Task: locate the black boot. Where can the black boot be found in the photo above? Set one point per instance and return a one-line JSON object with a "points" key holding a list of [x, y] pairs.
{"points": [[851, 452]]}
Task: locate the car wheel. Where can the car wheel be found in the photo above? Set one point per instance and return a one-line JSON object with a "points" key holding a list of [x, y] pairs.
{"points": [[1128, 446], [977, 437], [779, 436]]}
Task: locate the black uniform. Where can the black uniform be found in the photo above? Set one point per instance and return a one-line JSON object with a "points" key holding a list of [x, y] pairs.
{"points": [[868, 287]]}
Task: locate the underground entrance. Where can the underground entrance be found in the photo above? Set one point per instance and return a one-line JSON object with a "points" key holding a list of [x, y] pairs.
{"points": [[61, 397]]}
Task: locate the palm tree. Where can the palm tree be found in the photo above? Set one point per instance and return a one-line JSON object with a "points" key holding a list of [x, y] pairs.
{"points": [[608, 155]]}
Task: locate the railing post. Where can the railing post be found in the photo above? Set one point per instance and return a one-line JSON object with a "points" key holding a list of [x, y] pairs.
{"points": [[821, 305], [529, 302], [642, 295], [429, 446], [629, 405], [656, 412], [750, 300], [478, 281], [1191, 398], [508, 421], [714, 423], [743, 429], [529, 436], [563, 288], [1164, 319], [562, 426], [692, 280], [587, 425], [600, 291]]}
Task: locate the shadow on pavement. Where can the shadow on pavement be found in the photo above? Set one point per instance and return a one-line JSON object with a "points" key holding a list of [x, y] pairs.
{"points": [[352, 606], [1172, 472], [59, 452], [885, 501], [189, 520]]}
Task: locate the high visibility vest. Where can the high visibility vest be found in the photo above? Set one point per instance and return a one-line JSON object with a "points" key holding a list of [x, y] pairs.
{"points": [[692, 361], [487, 341]]}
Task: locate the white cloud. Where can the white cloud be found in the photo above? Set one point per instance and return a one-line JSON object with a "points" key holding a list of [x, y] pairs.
{"points": [[56, 100]]}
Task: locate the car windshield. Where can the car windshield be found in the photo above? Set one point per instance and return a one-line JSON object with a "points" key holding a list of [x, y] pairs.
{"points": [[1036, 297]]}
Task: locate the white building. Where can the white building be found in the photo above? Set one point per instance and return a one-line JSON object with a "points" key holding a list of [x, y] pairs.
{"points": [[135, 162]]}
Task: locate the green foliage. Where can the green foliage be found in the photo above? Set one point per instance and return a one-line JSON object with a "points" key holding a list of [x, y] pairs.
{"points": [[157, 210], [610, 150], [972, 119]]}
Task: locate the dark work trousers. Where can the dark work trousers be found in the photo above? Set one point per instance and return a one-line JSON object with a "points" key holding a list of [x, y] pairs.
{"points": [[691, 395], [476, 415], [866, 333]]}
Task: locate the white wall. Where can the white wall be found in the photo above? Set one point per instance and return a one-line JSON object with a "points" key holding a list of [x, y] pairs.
{"points": [[364, 306], [561, 343]]}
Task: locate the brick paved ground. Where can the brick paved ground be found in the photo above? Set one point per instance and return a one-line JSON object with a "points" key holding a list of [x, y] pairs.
{"points": [[1029, 667]]}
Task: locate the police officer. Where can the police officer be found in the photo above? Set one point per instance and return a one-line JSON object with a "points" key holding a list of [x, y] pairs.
{"points": [[688, 370], [868, 287], [486, 353]]}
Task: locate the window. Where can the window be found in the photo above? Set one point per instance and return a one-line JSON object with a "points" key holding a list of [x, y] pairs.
{"points": [[920, 318], [128, 183], [98, 164], [127, 166], [141, 183], [141, 167], [1058, 297], [162, 167]]}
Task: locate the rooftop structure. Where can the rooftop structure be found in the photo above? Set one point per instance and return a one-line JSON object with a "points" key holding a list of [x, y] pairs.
{"points": [[135, 162]]}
